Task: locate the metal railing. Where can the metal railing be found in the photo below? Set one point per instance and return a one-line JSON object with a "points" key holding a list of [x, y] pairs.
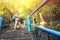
{"points": [[50, 31], [3, 25], [1, 22]]}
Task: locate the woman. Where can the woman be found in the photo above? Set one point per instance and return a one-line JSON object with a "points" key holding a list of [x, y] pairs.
{"points": [[16, 20]]}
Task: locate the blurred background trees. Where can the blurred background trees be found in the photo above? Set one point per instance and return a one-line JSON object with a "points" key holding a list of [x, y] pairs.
{"points": [[49, 13]]}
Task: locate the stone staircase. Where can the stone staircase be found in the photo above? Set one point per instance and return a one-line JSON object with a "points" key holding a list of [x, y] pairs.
{"points": [[19, 34]]}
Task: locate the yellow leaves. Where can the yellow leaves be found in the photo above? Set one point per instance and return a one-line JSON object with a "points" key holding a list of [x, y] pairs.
{"points": [[23, 6], [1, 13]]}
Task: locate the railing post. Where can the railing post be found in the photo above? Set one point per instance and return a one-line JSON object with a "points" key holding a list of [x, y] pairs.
{"points": [[29, 26], [24, 22], [0, 23]]}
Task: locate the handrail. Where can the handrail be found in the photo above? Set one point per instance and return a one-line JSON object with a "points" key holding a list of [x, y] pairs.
{"points": [[53, 32], [41, 5], [50, 31]]}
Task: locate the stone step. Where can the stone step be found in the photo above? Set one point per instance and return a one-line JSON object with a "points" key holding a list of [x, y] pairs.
{"points": [[19, 34], [15, 36], [18, 31], [15, 33], [15, 39]]}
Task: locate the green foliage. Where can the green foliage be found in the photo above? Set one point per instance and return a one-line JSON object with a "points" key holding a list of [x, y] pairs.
{"points": [[33, 29], [55, 25]]}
